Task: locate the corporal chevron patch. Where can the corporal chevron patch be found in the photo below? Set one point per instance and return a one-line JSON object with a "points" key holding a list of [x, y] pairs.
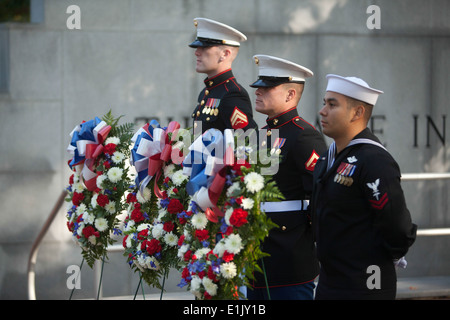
{"points": [[238, 119]]}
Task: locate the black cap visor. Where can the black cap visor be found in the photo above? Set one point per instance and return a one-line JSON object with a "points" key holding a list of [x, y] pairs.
{"points": [[267, 82], [207, 42]]}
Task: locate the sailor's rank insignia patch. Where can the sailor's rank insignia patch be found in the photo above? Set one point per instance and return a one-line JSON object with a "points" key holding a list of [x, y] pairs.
{"points": [[238, 119], [344, 174], [379, 203]]}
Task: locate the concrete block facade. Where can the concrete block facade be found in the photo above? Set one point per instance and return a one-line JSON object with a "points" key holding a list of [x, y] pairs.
{"points": [[132, 56]]}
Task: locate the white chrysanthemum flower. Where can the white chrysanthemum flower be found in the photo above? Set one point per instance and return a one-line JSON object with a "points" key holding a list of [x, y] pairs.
{"points": [[143, 226], [113, 140], [129, 242], [182, 250], [201, 252], [101, 224], [169, 170], [228, 213], [171, 239], [94, 201], [247, 203], [220, 248], [117, 157], [233, 243], [187, 235], [195, 283], [115, 174], [161, 214], [179, 177], [254, 182], [144, 196], [199, 220], [232, 189], [100, 180], [158, 230], [80, 229], [210, 286], [111, 207], [80, 209], [228, 270], [88, 218], [128, 226], [77, 187]]}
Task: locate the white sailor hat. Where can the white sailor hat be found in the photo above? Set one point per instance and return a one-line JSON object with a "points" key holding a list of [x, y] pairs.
{"points": [[274, 71], [353, 87], [213, 33]]}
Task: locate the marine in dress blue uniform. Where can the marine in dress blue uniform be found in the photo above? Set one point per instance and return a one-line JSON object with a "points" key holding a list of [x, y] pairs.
{"points": [[223, 103], [292, 266], [360, 215]]}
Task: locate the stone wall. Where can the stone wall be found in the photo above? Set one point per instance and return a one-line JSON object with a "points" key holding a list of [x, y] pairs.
{"points": [[132, 56]]}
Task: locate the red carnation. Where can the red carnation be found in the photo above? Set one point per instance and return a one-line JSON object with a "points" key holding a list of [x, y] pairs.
{"points": [[187, 255], [142, 234], [201, 234], [110, 148], [153, 246], [107, 164], [77, 198], [137, 215], [181, 240], [89, 231], [207, 295], [185, 273], [228, 231], [238, 217], [174, 206], [211, 274], [131, 197], [102, 200], [124, 241], [168, 226], [237, 167], [227, 257]]}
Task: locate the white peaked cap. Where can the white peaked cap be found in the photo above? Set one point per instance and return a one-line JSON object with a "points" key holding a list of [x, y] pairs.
{"points": [[210, 32], [353, 87], [286, 71]]}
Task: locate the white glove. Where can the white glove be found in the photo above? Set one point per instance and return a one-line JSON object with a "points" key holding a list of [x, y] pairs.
{"points": [[401, 263]]}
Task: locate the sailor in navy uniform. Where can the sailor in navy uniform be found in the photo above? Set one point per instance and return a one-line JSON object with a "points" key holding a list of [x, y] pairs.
{"points": [[223, 103], [292, 266], [362, 225]]}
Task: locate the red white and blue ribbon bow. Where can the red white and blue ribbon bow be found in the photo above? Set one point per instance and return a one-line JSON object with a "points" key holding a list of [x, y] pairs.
{"points": [[206, 165], [85, 146], [152, 149]]}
